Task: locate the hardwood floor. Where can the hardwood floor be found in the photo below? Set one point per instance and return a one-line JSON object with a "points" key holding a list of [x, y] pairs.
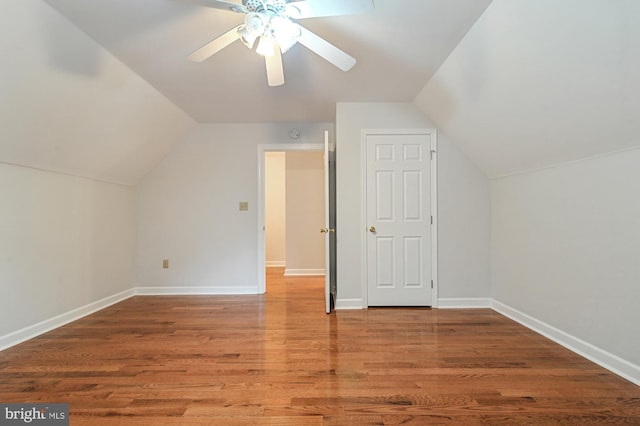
{"points": [[278, 359]]}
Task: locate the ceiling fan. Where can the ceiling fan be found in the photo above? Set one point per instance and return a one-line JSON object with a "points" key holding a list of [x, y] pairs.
{"points": [[271, 24]]}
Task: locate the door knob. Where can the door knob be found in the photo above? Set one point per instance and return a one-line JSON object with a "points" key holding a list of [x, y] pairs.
{"points": [[372, 229], [323, 230]]}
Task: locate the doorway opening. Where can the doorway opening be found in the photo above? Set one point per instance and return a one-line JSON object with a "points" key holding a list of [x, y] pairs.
{"points": [[294, 213], [272, 227]]}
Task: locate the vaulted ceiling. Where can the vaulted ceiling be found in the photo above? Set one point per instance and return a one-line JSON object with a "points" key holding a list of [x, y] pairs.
{"points": [[398, 46], [103, 88]]}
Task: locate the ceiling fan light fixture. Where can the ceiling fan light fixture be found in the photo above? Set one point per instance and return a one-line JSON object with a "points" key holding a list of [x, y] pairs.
{"points": [[246, 37], [254, 26], [266, 46], [255, 23], [285, 31]]}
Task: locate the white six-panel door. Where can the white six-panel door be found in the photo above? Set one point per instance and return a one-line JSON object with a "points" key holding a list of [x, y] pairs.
{"points": [[398, 219]]}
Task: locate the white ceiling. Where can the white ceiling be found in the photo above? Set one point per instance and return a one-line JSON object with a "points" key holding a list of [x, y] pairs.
{"points": [[541, 82], [398, 46]]}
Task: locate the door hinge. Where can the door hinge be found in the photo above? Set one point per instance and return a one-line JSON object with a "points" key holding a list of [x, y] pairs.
{"points": [[431, 283], [431, 154], [432, 220]]}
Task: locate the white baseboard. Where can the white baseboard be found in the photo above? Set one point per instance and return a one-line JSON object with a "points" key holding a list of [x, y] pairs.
{"points": [[302, 272], [349, 304], [42, 327], [275, 264], [611, 362], [464, 303], [188, 291], [443, 303]]}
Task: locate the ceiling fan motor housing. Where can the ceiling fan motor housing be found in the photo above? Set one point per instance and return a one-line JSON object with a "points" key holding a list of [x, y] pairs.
{"points": [[275, 6]]}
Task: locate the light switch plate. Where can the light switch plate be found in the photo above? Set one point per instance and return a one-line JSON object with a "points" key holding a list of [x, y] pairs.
{"points": [[244, 206]]}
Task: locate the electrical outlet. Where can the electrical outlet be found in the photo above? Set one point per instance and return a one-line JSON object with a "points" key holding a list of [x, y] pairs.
{"points": [[165, 263], [244, 206]]}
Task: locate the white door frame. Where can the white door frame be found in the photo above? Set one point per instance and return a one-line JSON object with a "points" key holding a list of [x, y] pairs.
{"points": [[434, 204], [262, 149]]}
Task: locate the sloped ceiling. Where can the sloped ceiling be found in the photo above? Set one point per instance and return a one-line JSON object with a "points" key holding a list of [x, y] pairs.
{"points": [[69, 106], [398, 46], [541, 82]]}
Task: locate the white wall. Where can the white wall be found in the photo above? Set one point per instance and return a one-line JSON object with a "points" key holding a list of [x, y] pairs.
{"points": [[187, 208], [463, 208], [275, 208], [464, 228], [565, 249], [70, 106], [65, 242], [305, 213]]}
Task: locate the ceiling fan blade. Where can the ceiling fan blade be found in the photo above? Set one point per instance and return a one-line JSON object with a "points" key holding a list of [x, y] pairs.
{"points": [[317, 8], [275, 70], [215, 46], [219, 4], [325, 49]]}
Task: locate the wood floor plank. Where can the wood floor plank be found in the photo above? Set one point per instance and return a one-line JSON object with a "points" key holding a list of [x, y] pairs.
{"points": [[278, 359]]}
